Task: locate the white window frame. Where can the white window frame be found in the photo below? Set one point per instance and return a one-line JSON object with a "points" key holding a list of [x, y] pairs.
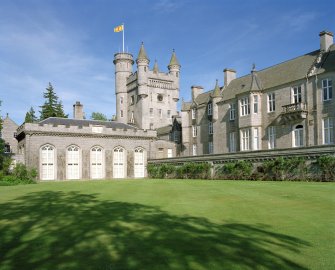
{"points": [[232, 111], [245, 139], [194, 131], [210, 147], [256, 101], [160, 112], [327, 89], [298, 136], [48, 162], [139, 157], [132, 120], [96, 163], [245, 106], [73, 162], [169, 153], [256, 145], [328, 130], [210, 108], [296, 94], [210, 127], [271, 102], [119, 162], [271, 137], [232, 142], [194, 149]]}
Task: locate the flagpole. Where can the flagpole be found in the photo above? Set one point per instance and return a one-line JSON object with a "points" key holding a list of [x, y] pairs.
{"points": [[123, 37]]}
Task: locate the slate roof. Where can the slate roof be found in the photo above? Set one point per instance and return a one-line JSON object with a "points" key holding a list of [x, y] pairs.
{"points": [[164, 130], [286, 72], [142, 54], [85, 123], [174, 60], [203, 98]]}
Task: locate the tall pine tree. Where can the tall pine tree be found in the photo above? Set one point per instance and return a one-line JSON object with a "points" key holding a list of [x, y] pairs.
{"points": [[30, 116], [51, 107]]}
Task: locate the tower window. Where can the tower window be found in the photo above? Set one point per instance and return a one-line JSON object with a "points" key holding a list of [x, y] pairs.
{"points": [[121, 113], [121, 100]]}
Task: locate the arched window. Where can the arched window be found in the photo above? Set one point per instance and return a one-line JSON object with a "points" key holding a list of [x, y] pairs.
{"points": [[73, 162], [118, 162], [47, 158], [298, 136], [97, 163], [139, 163]]}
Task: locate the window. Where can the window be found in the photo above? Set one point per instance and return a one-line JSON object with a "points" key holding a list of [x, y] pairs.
{"points": [[97, 163], [139, 163], [296, 95], [160, 150], [245, 139], [145, 69], [160, 112], [298, 136], [121, 113], [168, 113], [169, 153], [132, 117], [194, 149], [245, 109], [132, 100], [210, 108], [271, 137], [151, 112], [194, 131], [232, 111], [210, 128], [256, 139], [73, 162], [255, 103], [328, 130], [48, 162], [232, 142], [118, 162], [160, 97], [151, 126], [7, 148], [271, 102], [194, 111], [327, 89], [121, 100], [14, 134], [210, 147], [176, 136]]}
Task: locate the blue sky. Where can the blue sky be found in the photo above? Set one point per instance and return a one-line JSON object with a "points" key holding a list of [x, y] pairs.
{"points": [[71, 43]]}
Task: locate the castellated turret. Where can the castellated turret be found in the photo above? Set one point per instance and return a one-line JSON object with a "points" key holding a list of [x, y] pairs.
{"points": [[147, 98], [123, 69]]}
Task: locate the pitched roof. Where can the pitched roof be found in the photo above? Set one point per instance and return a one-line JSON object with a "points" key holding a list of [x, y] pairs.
{"points": [[216, 91], [174, 60], [203, 98], [164, 130], [155, 69], [286, 72], [142, 54], [84, 123]]}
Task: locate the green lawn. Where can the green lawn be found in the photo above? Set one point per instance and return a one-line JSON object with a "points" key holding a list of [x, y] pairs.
{"points": [[167, 224]]}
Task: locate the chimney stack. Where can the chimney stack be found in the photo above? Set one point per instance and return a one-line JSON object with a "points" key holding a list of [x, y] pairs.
{"points": [[229, 75], [326, 40], [78, 112], [196, 91]]}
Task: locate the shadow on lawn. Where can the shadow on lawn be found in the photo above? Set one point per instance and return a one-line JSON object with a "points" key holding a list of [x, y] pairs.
{"points": [[69, 230]]}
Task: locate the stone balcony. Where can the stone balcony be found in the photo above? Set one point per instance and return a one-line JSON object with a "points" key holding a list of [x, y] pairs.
{"points": [[293, 112]]}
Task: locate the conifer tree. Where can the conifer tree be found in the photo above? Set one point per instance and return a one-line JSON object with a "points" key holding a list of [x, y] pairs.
{"points": [[30, 116], [98, 116], [51, 107]]}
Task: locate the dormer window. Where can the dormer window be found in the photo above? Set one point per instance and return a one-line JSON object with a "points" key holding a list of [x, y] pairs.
{"points": [[210, 108]]}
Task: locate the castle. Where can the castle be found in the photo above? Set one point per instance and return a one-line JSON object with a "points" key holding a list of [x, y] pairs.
{"points": [[285, 107]]}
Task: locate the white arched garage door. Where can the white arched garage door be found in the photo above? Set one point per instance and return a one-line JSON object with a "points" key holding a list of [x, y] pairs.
{"points": [[139, 163], [73, 162], [118, 163], [97, 163], [47, 162]]}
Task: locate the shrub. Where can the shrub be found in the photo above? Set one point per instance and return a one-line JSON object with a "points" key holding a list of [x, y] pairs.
{"points": [[326, 167], [19, 175], [241, 169]]}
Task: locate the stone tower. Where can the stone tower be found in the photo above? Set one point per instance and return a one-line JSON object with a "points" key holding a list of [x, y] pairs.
{"points": [[123, 69], [147, 98]]}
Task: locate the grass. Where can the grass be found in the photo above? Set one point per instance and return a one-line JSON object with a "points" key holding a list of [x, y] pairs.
{"points": [[170, 224]]}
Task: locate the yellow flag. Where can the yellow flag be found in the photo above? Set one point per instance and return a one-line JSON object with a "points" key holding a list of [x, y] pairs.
{"points": [[118, 28]]}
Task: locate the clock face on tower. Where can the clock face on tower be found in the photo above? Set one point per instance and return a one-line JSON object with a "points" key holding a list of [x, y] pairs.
{"points": [[160, 97]]}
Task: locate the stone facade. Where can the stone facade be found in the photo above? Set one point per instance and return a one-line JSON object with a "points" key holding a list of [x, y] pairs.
{"points": [[61, 136], [288, 105], [147, 98], [8, 134]]}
